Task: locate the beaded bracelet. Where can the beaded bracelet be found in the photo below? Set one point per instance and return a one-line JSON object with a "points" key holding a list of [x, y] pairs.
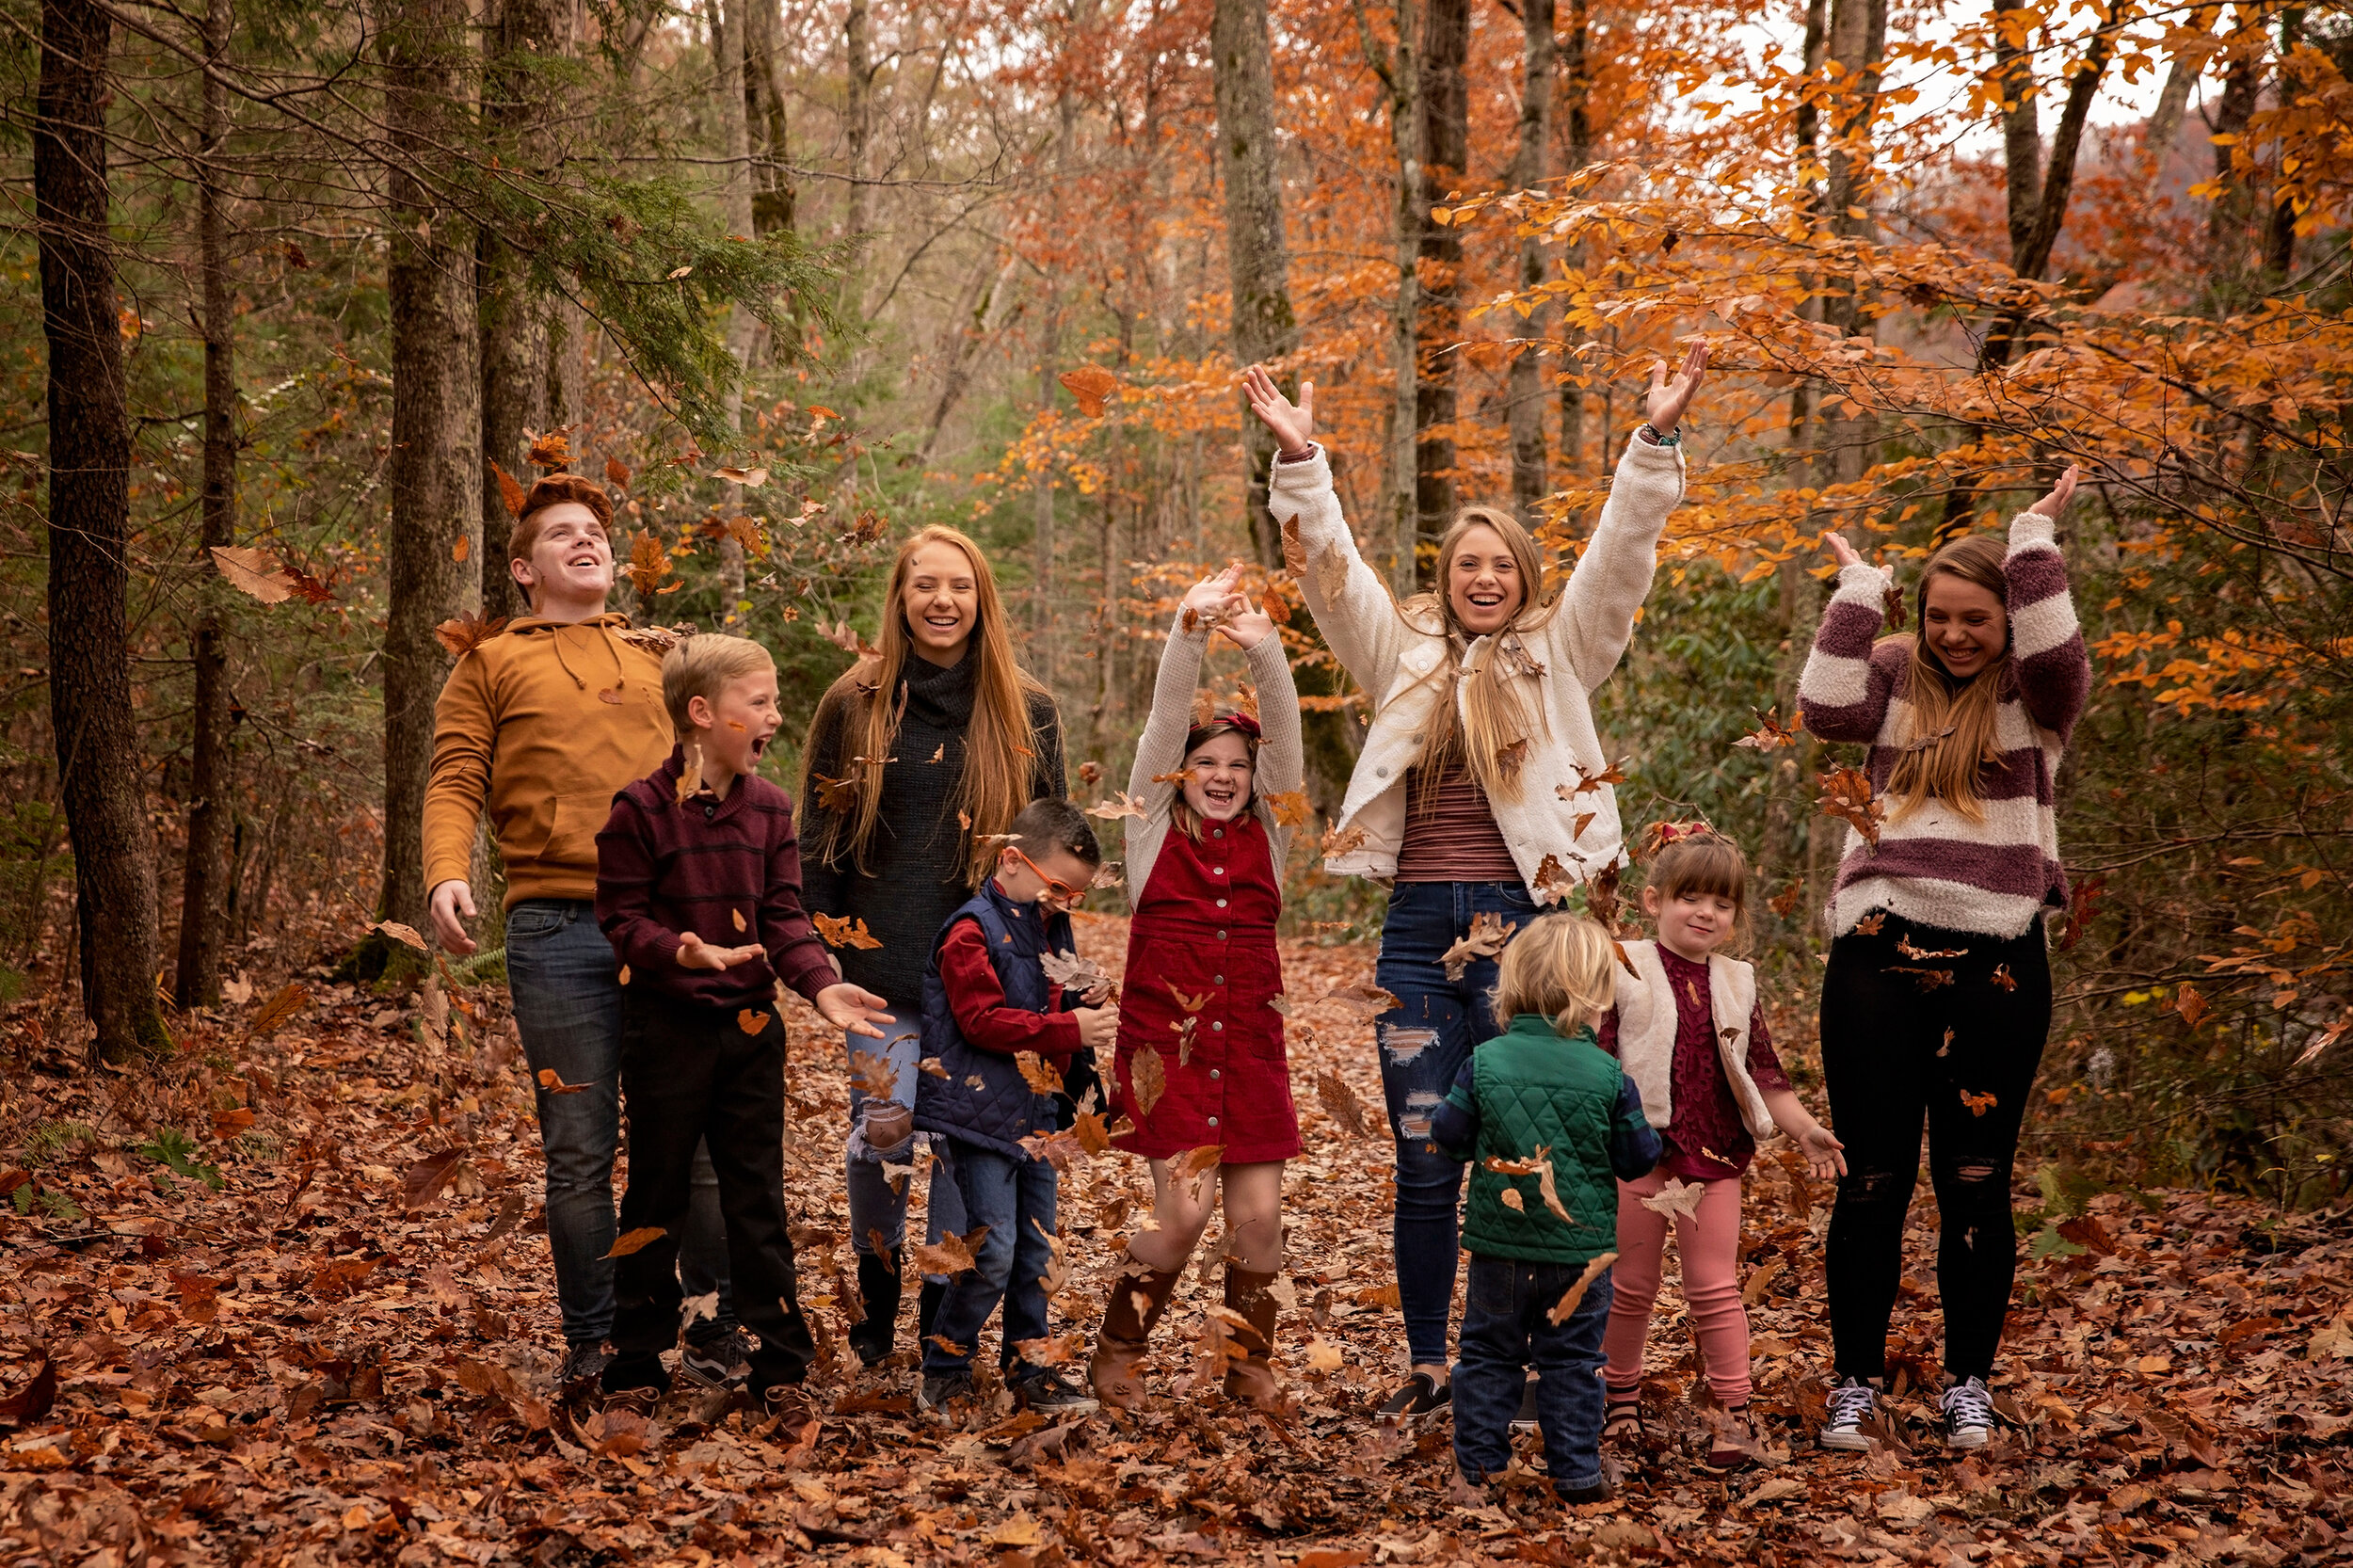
{"points": [[1657, 439]]}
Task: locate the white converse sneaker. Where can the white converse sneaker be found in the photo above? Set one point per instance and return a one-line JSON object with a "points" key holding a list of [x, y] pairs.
{"points": [[1852, 1403], [1968, 1414]]}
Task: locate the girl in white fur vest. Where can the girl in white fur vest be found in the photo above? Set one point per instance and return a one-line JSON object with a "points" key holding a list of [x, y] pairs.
{"points": [[1692, 1035]]}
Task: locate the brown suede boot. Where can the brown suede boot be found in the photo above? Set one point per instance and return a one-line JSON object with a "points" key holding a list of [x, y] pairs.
{"points": [[1137, 1301], [1248, 1297]]}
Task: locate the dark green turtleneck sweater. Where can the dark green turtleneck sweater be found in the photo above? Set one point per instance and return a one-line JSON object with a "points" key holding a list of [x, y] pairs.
{"points": [[914, 875]]}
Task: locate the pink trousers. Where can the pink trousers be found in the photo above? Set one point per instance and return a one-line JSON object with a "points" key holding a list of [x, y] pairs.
{"points": [[1709, 1244]]}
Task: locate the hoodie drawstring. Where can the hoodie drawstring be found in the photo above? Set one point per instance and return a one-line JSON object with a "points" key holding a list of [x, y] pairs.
{"points": [[566, 664]]}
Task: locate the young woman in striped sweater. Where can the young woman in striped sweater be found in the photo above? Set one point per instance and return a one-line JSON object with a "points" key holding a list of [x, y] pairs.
{"points": [[1937, 999]]}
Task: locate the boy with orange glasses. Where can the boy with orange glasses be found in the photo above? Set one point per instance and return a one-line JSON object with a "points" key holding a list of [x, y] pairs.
{"points": [[986, 997]]}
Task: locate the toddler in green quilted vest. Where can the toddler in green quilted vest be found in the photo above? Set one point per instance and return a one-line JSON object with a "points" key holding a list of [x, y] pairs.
{"points": [[1551, 1123]]}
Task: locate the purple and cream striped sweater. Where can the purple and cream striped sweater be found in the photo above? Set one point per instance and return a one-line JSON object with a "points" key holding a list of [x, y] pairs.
{"points": [[1933, 865]]}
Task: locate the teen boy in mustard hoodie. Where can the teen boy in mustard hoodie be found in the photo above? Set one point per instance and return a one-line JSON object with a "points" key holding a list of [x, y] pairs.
{"points": [[544, 722]]}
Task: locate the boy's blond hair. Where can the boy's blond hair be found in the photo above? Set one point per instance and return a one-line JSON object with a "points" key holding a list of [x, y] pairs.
{"points": [[700, 667], [1562, 966]]}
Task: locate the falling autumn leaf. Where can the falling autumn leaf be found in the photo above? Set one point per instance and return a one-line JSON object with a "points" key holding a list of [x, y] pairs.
{"points": [[1905, 946], [1342, 841], [616, 473], [844, 930], [460, 547], [1122, 804], [1575, 1294], [1341, 1102], [1147, 1080], [291, 999], [1291, 808], [1484, 939], [2003, 978], [553, 1083], [1978, 1104], [407, 935], [510, 492], [1869, 925], [1847, 795], [751, 1022], [1366, 1001], [636, 1241], [467, 632], [953, 1255], [255, 573], [1768, 733], [1092, 385], [1553, 884], [551, 452], [1037, 1072], [835, 795], [750, 478], [1677, 1199], [649, 562]]}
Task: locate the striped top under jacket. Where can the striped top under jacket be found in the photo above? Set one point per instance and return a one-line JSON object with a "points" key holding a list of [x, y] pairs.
{"points": [[1933, 865]]}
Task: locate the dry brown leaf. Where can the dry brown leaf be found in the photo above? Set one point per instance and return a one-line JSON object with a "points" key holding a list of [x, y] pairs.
{"points": [[1847, 795], [1093, 386], [751, 1022], [1147, 1080], [1485, 940], [1342, 1103], [255, 573], [407, 935], [952, 1255], [467, 632], [551, 451], [616, 473], [1576, 1292], [1291, 808], [637, 1240], [1122, 804], [1038, 1073]]}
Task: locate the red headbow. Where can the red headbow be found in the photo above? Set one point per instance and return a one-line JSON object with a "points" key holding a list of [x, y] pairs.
{"points": [[1240, 720]]}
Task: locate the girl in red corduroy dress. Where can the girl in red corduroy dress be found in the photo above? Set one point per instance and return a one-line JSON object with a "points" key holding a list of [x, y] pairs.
{"points": [[1200, 1062]]}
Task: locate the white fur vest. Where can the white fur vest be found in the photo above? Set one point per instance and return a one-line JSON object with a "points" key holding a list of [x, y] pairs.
{"points": [[1647, 1014]]}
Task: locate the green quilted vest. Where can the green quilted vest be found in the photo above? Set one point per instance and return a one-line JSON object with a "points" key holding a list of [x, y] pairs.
{"points": [[1537, 1090]]}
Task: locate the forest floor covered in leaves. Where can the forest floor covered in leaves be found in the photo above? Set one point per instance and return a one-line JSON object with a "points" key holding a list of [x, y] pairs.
{"points": [[288, 1300]]}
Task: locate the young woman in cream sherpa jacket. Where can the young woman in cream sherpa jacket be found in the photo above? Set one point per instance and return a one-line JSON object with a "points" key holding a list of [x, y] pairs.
{"points": [[1469, 781]]}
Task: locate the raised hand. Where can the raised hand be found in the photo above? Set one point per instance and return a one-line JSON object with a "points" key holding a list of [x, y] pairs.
{"points": [[695, 953], [1293, 423], [1245, 626], [1668, 399], [2052, 505], [1213, 596], [1843, 552], [853, 1008]]}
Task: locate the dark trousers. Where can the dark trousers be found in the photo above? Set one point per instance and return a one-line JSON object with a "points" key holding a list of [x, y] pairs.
{"points": [[1013, 1196], [1506, 1328], [1956, 1045], [690, 1074], [1424, 1043]]}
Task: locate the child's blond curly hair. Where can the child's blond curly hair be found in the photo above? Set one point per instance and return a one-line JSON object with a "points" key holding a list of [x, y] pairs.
{"points": [[1562, 966]]}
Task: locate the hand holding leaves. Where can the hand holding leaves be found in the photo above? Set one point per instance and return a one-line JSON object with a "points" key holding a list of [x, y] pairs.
{"points": [[1667, 399], [1293, 423]]}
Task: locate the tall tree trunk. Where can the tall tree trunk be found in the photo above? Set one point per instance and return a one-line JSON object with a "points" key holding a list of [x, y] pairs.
{"points": [[772, 196], [90, 536], [1578, 137], [2280, 233], [2234, 206], [1858, 42], [1525, 388], [2022, 127], [728, 28], [195, 978], [857, 124], [1400, 71], [1445, 152], [514, 320], [1257, 259], [434, 474]]}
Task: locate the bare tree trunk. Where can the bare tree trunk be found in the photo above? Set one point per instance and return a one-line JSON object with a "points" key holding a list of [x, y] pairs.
{"points": [[857, 124], [773, 197], [1257, 259], [1858, 42], [1400, 71], [195, 978], [1525, 388], [434, 474], [2228, 216], [727, 29], [1445, 152], [514, 320], [2279, 236], [1578, 128], [89, 536]]}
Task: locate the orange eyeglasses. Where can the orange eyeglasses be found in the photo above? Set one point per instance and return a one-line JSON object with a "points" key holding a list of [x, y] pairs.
{"points": [[1060, 889]]}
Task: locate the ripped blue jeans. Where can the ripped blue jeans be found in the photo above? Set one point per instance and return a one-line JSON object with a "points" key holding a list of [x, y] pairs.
{"points": [[1424, 1043]]}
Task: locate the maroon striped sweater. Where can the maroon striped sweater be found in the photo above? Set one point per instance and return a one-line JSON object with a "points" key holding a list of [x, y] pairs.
{"points": [[1933, 865]]}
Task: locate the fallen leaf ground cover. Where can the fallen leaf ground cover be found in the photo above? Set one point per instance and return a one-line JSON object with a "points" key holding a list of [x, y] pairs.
{"points": [[288, 1300]]}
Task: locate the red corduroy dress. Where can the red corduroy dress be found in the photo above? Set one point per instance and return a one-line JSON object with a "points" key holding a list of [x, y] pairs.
{"points": [[1205, 926]]}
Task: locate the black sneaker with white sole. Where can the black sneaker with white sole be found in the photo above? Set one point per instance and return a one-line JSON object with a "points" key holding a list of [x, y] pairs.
{"points": [[1050, 1394], [1968, 1414], [722, 1361], [937, 1393], [1422, 1395], [1853, 1405]]}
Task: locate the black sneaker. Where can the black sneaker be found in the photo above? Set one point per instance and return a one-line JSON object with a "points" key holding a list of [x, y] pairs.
{"points": [[1577, 1496], [1526, 1420], [584, 1364], [938, 1393], [722, 1361], [1421, 1395], [1050, 1394], [1853, 1406]]}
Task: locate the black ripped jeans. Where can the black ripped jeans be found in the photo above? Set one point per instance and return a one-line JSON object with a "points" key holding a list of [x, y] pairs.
{"points": [[1950, 1031]]}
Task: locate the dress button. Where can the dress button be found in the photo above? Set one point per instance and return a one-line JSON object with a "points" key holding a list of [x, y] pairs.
{"points": [[1215, 1075], [1380, 773], [1213, 1121], [1217, 871], [1221, 936], [1217, 980], [1219, 1026], [1221, 904], [1217, 833]]}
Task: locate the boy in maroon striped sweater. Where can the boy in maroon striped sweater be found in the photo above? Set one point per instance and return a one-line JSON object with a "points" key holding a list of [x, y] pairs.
{"points": [[706, 845]]}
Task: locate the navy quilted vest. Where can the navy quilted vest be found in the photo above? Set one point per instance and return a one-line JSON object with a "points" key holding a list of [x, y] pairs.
{"points": [[983, 1099]]}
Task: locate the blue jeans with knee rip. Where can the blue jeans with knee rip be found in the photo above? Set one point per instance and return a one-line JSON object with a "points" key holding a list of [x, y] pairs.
{"points": [[1424, 1042], [565, 985]]}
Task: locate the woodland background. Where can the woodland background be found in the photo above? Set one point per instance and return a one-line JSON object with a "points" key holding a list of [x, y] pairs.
{"points": [[320, 280]]}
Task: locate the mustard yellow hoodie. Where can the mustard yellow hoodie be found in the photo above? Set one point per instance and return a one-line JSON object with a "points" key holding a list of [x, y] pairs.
{"points": [[547, 721]]}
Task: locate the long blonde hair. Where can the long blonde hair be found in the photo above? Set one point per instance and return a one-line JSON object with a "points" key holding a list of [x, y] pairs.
{"points": [[1493, 720], [1562, 966], [1951, 734], [1000, 745]]}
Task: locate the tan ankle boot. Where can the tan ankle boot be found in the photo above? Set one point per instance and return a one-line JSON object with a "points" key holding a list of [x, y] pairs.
{"points": [[1137, 1301], [1248, 1296]]}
